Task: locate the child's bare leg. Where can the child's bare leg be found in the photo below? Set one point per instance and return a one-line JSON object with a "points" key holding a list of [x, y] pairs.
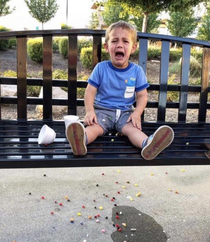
{"points": [[136, 136], [152, 145], [92, 132]]}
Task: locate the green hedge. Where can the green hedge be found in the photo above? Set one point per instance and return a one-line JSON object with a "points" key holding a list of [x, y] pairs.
{"points": [[35, 49], [56, 41], [4, 43], [86, 56], [84, 43], [63, 47]]}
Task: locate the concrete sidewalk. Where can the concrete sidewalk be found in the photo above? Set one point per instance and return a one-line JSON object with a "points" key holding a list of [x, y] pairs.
{"points": [[145, 204]]}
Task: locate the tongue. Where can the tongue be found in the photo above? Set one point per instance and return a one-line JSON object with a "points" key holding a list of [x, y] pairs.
{"points": [[119, 56]]}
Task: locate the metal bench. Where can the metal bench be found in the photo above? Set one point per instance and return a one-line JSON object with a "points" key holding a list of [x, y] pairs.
{"points": [[18, 138]]}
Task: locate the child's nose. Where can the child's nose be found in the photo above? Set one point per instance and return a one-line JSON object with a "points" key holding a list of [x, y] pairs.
{"points": [[119, 44]]}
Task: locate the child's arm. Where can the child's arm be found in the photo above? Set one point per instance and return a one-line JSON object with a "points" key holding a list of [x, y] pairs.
{"points": [[141, 102], [89, 98]]}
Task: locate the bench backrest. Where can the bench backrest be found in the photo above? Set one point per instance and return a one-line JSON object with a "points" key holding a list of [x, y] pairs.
{"points": [[160, 105]]}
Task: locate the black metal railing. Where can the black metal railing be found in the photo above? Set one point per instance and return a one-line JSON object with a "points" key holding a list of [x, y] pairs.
{"points": [[72, 83]]}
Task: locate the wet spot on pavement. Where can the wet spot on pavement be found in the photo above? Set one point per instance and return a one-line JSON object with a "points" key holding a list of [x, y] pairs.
{"points": [[134, 226]]}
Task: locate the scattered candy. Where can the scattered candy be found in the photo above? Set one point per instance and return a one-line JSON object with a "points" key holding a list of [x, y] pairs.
{"points": [[83, 206], [97, 220], [117, 217], [119, 229], [152, 174], [136, 185], [103, 174], [119, 171], [123, 187], [176, 192], [61, 204], [79, 214], [124, 224], [52, 212], [103, 231], [117, 225], [71, 220], [89, 217], [43, 197], [101, 208], [133, 229], [131, 199], [66, 197], [127, 182], [138, 194], [183, 170], [118, 192]]}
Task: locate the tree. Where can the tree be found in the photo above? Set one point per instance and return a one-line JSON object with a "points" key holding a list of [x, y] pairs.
{"points": [[42, 10], [152, 23], [204, 30], [4, 8], [155, 6], [113, 13], [183, 23], [94, 21]]}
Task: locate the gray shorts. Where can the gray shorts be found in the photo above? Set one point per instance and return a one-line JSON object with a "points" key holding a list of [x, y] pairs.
{"points": [[110, 119]]}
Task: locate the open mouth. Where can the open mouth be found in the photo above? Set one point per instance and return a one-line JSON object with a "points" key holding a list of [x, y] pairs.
{"points": [[119, 55]]}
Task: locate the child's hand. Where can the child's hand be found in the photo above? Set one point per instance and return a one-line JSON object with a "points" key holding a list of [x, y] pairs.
{"points": [[90, 118], [135, 118]]}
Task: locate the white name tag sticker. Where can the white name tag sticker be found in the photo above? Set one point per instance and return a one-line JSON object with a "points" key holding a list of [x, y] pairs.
{"points": [[129, 91]]}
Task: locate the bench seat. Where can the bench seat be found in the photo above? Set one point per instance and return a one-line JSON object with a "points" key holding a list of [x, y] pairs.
{"points": [[20, 149]]}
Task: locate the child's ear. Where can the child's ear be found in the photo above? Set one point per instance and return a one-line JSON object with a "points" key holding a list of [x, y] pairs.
{"points": [[106, 47], [134, 48]]}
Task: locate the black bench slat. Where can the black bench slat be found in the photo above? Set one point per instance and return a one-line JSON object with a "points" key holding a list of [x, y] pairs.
{"points": [[143, 48], [110, 150], [72, 75], [204, 85], [163, 80], [22, 76], [185, 67], [47, 77]]}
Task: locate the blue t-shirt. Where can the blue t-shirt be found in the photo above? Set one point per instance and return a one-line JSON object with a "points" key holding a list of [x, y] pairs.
{"points": [[116, 88]]}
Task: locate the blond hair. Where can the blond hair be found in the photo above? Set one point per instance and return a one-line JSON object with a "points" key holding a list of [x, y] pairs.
{"points": [[123, 25]]}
